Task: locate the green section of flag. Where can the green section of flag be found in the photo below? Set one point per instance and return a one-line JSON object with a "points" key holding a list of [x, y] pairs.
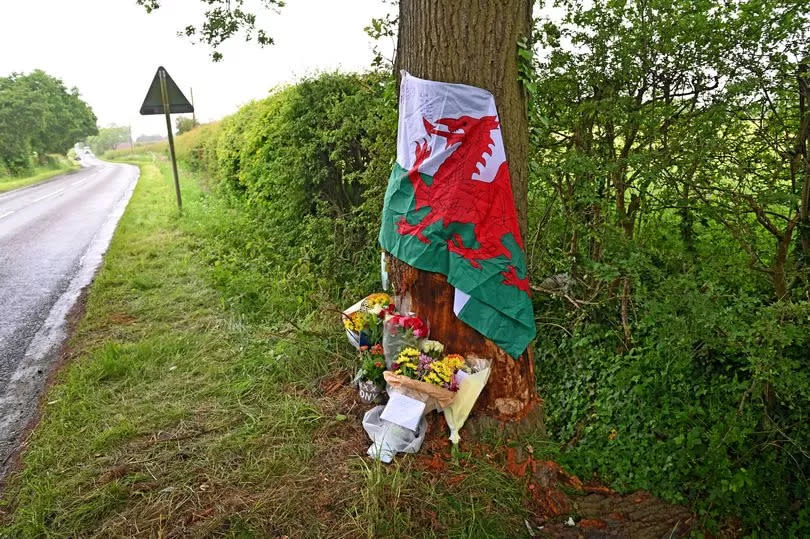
{"points": [[501, 312]]}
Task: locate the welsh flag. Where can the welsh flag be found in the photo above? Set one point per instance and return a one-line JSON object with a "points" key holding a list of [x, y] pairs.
{"points": [[449, 207]]}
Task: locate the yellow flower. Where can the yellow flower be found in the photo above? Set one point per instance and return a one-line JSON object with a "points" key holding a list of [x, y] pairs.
{"points": [[378, 299], [442, 371], [358, 321]]}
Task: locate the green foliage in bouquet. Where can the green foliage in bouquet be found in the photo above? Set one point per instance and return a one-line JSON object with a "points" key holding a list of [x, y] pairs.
{"points": [[372, 365]]}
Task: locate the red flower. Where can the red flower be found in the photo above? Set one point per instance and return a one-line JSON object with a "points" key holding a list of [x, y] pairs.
{"points": [[413, 323], [378, 364]]}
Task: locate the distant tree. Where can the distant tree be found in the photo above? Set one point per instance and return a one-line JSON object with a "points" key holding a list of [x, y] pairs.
{"points": [[108, 138], [185, 124], [18, 120], [39, 114], [148, 139]]}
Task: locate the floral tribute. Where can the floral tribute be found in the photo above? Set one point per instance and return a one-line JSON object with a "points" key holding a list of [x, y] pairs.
{"points": [[411, 324], [398, 343], [372, 364], [396, 358], [419, 365], [364, 320]]}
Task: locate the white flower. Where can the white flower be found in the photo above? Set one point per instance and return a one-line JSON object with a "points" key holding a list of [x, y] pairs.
{"points": [[432, 348]]}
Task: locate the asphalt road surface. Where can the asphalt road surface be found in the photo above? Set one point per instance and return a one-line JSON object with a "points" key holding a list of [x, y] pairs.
{"points": [[52, 239]]}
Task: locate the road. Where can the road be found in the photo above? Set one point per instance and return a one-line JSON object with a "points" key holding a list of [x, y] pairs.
{"points": [[52, 239]]}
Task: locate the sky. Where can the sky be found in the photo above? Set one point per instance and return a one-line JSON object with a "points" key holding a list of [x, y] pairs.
{"points": [[110, 50]]}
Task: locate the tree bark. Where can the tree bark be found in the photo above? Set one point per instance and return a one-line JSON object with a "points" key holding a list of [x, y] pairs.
{"points": [[802, 164], [779, 267], [472, 42]]}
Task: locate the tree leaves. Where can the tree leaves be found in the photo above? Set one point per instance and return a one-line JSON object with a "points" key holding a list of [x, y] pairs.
{"points": [[39, 114], [222, 20]]}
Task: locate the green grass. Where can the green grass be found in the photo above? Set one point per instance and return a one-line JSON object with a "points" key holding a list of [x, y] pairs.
{"points": [[175, 416], [8, 183]]}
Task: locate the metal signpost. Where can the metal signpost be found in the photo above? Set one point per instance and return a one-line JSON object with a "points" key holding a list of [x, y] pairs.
{"points": [[164, 97]]}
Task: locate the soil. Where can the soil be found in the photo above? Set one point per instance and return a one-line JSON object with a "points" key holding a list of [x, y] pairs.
{"points": [[564, 506]]}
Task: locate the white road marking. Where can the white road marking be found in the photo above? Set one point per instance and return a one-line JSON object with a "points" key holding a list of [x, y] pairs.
{"points": [[7, 214], [49, 195]]}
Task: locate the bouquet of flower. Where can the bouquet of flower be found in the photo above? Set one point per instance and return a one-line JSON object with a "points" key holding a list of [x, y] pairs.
{"points": [[363, 320], [401, 332], [369, 379], [379, 304], [426, 373], [442, 372], [363, 326], [424, 367], [372, 364]]}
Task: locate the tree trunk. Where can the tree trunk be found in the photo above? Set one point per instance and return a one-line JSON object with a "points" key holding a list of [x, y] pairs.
{"points": [[687, 223], [802, 164], [472, 42], [779, 266]]}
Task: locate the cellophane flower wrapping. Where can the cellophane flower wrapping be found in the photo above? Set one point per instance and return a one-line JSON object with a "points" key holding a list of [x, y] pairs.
{"points": [[470, 387], [363, 320], [401, 331]]}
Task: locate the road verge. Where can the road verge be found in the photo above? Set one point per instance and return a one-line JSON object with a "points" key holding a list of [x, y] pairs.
{"points": [[11, 183]]}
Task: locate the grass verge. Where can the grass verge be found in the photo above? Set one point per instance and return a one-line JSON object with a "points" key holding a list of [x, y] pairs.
{"points": [[9, 183], [176, 416]]}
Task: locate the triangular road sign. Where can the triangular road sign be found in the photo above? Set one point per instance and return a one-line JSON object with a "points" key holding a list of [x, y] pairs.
{"points": [[153, 104]]}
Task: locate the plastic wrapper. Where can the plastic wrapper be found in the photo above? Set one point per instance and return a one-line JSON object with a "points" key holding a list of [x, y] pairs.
{"points": [[355, 337], [388, 438], [383, 272], [394, 339], [470, 387]]}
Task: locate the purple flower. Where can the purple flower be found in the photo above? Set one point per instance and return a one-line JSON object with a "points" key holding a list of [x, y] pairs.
{"points": [[424, 362]]}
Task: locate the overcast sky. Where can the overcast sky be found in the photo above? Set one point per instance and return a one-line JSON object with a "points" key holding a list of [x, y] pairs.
{"points": [[110, 50]]}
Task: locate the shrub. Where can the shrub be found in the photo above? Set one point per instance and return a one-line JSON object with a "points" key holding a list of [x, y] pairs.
{"points": [[305, 169]]}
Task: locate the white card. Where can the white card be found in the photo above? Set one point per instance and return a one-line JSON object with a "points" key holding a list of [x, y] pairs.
{"points": [[403, 410]]}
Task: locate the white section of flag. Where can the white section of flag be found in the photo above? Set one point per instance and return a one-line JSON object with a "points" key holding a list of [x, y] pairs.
{"points": [[426, 99], [459, 301]]}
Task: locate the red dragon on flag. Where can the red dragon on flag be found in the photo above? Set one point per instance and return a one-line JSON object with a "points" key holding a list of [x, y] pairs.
{"points": [[449, 207], [454, 197]]}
